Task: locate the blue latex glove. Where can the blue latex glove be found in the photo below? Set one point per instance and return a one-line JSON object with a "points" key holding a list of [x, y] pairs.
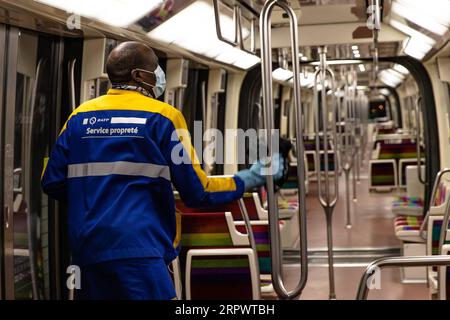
{"points": [[256, 175]]}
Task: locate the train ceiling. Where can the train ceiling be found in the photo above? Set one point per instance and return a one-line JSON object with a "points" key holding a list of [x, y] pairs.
{"points": [[409, 27]]}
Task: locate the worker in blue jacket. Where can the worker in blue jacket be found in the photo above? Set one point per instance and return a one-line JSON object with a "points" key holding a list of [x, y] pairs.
{"points": [[113, 163]]}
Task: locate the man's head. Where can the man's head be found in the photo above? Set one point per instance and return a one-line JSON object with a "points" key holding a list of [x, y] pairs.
{"points": [[132, 63]]}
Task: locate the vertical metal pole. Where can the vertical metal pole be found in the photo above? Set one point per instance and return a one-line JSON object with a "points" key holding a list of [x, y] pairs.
{"points": [[267, 90], [348, 140], [348, 224], [327, 201], [2, 77], [8, 161]]}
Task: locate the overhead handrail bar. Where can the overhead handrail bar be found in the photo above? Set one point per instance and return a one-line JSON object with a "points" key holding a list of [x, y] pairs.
{"points": [[327, 201], [237, 21], [416, 261], [267, 89]]}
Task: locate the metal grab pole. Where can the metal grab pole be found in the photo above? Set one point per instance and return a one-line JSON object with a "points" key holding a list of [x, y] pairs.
{"points": [[361, 133], [354, 140], [442, 238], [416, 261], [419, 160], [267, 89], [347, 147], [327, 201]]}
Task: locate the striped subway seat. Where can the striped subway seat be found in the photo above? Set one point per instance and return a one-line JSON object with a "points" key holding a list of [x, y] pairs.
{"points": [[262, 240], [434, 231], [407, 227], [287, 208], [228, 275], [232, 207], [383, 173], [257, 215], [404, 150], [219, 278], [412, 206], [384, 168], [216, 261]]}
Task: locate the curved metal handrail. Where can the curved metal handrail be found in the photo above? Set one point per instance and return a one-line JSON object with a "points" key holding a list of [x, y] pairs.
{"points": [[73, 103], [437, 181], [31, 227], [267, 89], [251, 237], [417, 261], [327, 201]]}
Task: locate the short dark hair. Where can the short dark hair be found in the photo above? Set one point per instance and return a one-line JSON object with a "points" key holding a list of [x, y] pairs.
{"points": [[126, 57]]}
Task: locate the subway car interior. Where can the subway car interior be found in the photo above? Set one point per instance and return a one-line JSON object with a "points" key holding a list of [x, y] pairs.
{"points": [[361, 88]]}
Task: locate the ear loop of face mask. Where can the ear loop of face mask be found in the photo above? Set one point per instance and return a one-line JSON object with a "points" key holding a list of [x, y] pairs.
{"points": [[153, 87]]}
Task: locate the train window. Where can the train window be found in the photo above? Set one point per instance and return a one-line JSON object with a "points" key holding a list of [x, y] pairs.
{"points": [[377, 109], [110, 44]]}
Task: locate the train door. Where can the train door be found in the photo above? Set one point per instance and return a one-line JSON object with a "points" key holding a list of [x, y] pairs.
{"points": [[29, 121]]}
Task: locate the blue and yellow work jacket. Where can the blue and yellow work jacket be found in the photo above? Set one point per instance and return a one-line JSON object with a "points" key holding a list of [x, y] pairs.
{"points": [[115, 162]]}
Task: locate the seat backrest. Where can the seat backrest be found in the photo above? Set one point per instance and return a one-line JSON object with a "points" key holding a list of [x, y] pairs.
{"points": [[223, 273], [414, 188], [198, 231], [382, 174], [440, 200], [398, 150], [441, 194], [220, 278], [232, 207], [262, 240]]}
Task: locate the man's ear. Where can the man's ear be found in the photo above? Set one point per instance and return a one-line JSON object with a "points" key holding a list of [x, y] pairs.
{"points": [[136, 76]]}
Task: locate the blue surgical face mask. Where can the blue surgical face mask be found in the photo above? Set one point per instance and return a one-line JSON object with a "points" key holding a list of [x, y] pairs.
{"points": [[160, 85]]}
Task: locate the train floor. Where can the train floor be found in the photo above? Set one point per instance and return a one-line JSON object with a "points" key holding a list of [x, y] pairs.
{"points": [[371, 237]]}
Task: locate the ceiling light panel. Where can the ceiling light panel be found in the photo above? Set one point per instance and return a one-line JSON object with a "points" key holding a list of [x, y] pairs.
{"points": [[191, 29], [416, 15], [119, 13]]}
